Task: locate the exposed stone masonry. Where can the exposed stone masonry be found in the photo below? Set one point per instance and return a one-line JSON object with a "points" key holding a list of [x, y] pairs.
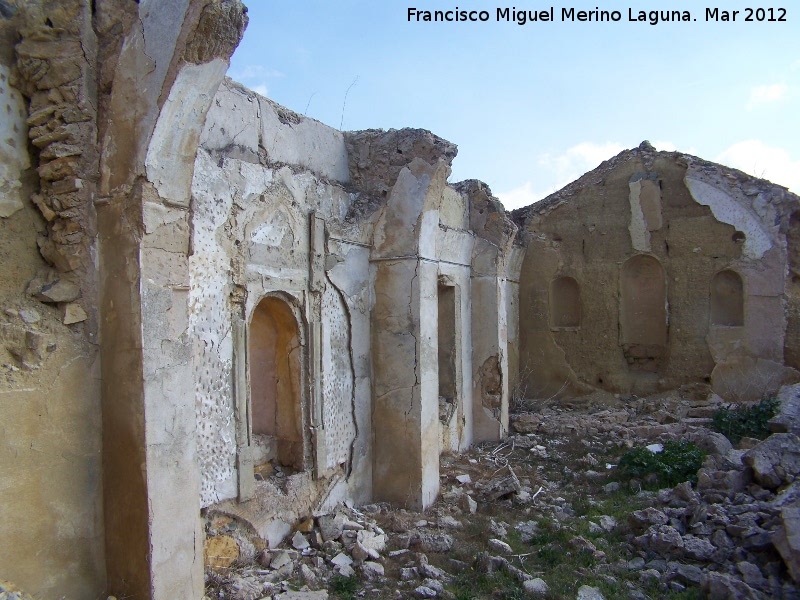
{"points": [[56, 68]]}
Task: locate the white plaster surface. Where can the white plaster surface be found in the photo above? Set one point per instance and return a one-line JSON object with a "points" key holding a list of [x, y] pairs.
{"points": [[351, 277], [157, 215], [401, 215], [453, 210], [233, 121], [454, 245], [14, 157], [170, 155], [727, 210], [640, 236], [424, 295], [251, 228], [295, 140], [337, 379], [210, 321]]}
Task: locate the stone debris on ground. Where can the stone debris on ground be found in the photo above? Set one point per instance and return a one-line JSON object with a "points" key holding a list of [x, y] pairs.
{"points": [[8, 591], [735, 534]]}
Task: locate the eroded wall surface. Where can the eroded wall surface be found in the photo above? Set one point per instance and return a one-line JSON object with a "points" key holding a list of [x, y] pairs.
{"points": [[644, 239], [360, 234], [50, 436]]}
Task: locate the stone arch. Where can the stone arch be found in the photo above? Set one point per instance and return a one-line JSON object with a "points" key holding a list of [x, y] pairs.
{"points": [[565, 302], [275, 367], [643, 307], [165, 62], [727, 299]]}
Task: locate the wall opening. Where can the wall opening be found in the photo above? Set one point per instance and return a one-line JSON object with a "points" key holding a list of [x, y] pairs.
{"points": [[275, 367], [727, 299], [447, 352], [643, 310], [565, 303]]}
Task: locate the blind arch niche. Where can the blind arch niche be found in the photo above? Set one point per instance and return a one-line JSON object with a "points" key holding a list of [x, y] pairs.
{"points": [[727, 299], [565, 302], [643, 306]]}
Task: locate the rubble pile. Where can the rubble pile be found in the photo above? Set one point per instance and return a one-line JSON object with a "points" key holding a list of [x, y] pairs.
{"points": [[730, 533], [506, 509]]}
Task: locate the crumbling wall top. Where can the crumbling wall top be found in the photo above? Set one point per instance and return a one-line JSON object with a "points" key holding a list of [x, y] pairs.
{"points": [[780, 197], [487, 215], [376, 157]]}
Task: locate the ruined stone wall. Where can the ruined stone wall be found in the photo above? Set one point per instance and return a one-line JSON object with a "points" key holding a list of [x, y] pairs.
{"points": [[440, 257], [50, 448], [162, 63], [640, 241], [268, 207], [120, 227], [494, 273]]}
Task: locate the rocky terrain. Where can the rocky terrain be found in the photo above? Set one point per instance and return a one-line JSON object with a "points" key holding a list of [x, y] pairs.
{"points": [[547, 514]]}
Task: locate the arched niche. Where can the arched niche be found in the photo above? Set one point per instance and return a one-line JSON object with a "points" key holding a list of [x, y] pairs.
{"points": [[643, 308], [276, 386], [727, 299], [565, 303]]}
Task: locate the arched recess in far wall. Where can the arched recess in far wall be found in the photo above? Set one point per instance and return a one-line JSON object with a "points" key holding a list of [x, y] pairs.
{"points": [[565, 302], [727, 299], [275, 366], [643, 307]]}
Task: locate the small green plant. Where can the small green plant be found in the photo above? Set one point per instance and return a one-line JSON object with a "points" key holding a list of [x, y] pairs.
{"points": [[471, 585], [344, 587], [745, 421], [679, 461]]}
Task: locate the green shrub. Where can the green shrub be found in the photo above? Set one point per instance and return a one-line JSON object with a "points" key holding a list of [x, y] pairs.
{"points": [[344, 587], [679, 461], [745, 421]]}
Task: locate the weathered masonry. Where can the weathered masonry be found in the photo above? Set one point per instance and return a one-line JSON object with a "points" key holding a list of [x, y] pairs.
{"points": [[655, 270], [212, 302]]}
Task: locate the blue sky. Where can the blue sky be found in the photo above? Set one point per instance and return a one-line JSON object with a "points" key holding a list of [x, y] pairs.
{"points": [[533, 107]]}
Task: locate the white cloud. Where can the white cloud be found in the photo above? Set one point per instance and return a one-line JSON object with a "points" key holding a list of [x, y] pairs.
{"points": [[664, 146], [255, 77], [756, 158], [766, 94], [255, 72], [556, 171], [577, 160], [524, 195]]}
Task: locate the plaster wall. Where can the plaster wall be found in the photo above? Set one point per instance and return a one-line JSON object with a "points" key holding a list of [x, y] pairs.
{"points": [[14, 158], [267, 220]]}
